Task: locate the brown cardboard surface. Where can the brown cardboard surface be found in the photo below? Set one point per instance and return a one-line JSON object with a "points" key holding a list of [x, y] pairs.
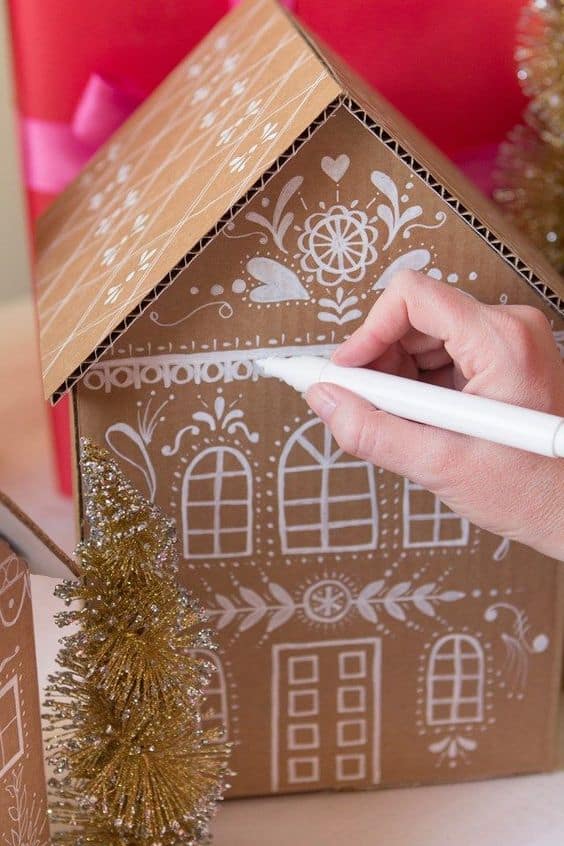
{"points": [[23, 802], [249, 95], [187, 155], [369, 636]]}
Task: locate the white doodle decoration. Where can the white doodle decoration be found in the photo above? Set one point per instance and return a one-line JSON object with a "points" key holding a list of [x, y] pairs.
{"points": [[328, 601], [216, 714], [518, 647], [5, 661], [312, 500], [224, 309], [341, 310], [391, 215], [14, 587], [452, 748], [336, 168], [337, 245], [300, 672], [222, 417], [281, 219], [11, 726], [559, 339], [134, 442], [28, 821], [279, 283], [214, 525], [413, 260], [455, 681]]}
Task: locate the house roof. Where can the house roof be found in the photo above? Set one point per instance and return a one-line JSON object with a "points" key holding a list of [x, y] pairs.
{"points": [[245, 99]]}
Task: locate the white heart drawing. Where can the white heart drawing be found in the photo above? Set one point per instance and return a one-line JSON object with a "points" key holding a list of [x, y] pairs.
{"points": [[279, 282], [335, 168]]}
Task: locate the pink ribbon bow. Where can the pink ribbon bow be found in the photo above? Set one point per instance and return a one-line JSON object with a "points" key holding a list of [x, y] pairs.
{"points": [[54, 152]]}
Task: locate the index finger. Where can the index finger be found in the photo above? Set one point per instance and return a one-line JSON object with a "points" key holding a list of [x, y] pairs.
{"points": [[413, 301]]}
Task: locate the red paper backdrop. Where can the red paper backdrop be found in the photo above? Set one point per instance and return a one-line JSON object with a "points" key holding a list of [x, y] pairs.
{"points": [[447, 65]]}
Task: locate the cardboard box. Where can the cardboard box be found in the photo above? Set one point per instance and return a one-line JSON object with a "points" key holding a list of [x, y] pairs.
{"points": [[23, 802], [260, 202]]}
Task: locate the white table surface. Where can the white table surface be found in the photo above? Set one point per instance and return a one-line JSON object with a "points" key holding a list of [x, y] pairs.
{"points": [[521, 811]]}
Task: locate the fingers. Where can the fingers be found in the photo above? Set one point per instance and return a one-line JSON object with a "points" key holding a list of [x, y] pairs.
{"points": [[426, 455], [414, 301]]}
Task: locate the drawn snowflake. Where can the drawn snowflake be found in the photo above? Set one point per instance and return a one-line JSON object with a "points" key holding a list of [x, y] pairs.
{"points": [[327, 601], [337, 245]]}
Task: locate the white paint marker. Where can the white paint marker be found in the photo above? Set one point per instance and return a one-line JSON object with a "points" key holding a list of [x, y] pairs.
{"points": [[495, 421]]}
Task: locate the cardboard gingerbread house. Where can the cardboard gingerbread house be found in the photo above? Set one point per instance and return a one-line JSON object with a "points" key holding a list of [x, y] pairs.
{"points": [[23, 801], [258, 203]]}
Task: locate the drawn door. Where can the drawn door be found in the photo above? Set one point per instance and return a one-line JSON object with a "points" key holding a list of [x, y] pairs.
{"points": [[336, 742]]}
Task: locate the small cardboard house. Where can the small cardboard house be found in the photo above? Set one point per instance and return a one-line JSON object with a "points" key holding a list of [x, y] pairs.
{"points": [[23, 800], [259, 202]]}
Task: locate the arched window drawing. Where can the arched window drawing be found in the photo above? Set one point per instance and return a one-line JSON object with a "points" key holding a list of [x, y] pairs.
{"points": [[215, 714], [455, 681], [427, 522], [217, 514], [326, 499]]}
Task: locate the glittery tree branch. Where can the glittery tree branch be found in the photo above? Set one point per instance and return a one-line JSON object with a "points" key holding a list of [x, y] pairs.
{"points": [[531, 162], [133, 765]]}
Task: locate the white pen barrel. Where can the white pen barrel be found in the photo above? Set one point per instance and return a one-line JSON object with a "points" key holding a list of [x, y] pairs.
{"points": [[468, 414]]}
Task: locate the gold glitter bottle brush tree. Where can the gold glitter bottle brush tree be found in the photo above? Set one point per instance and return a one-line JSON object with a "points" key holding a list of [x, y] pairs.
{"points": [[133, 764], [531, 162]]}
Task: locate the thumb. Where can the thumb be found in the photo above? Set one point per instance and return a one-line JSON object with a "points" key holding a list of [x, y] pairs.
{"points": [[426, 455]]}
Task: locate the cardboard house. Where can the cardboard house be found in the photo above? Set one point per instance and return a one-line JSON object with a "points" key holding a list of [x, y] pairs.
{"points": [[23, 801], [258, 203]]}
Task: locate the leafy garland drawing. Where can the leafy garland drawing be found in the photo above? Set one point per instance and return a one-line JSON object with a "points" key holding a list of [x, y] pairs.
{"points": [[328, 601], [28, 818]]}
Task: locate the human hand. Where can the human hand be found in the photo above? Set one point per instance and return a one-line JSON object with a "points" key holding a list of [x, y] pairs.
{"points": [[423, 329]]}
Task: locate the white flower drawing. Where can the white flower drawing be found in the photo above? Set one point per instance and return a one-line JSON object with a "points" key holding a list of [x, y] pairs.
{"points": [[269, 131], [139, 223], [239, 87], [337, 245], [239, 163], [230, 63], [225, 135], [130, 199], [109, 256], [194, 70], [104, 226], [221, 42], [112, 294], [96, 201], [123, 173], [253, 107], [200, 94], [207, 120]]}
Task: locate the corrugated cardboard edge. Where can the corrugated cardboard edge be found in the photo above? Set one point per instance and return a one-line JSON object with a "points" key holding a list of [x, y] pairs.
{"points": [[167, 280], [26, 521]]}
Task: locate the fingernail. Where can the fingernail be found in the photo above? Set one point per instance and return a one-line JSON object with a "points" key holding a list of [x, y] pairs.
{"points": [[322, 401]]}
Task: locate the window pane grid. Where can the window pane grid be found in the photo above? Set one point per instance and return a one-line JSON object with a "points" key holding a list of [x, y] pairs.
{"points": [[454, 696], [436, 524], [331, 514], [204, 505]]}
